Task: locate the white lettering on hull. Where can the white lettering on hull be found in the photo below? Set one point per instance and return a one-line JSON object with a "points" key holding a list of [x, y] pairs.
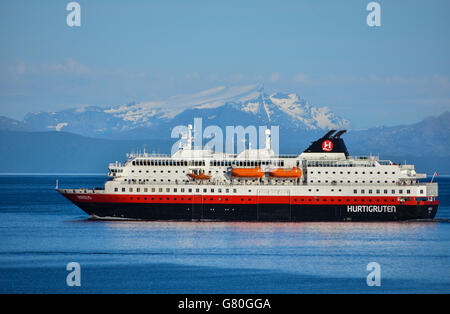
{"points": [[371, 209]]}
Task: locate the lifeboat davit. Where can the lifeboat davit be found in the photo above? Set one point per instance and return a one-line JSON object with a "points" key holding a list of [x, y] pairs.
{"points": [[201, 176], [256, 172], [286, 173]]}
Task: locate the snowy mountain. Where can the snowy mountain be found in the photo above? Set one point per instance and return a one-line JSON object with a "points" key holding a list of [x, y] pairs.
{"points": [[237, 105]]}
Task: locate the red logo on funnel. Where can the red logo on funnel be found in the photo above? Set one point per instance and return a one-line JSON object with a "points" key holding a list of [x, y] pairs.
{"points": [[327, 145]]}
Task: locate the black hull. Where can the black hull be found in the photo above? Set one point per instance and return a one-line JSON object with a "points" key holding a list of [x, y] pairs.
{"points": [[260, 212]]}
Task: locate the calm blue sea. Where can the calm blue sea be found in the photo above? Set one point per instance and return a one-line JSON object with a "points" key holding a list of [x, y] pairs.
{"points": [[41, 232]]}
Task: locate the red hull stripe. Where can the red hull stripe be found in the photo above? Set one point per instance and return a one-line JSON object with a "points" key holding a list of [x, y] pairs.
{"points": [[236, 199]]}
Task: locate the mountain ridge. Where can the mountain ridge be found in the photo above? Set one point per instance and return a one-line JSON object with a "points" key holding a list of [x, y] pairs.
{"points": [[242, 104]]}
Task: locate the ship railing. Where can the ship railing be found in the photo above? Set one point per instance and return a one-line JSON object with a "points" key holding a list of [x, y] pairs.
{"points": [[147, 155], [271, 183]]}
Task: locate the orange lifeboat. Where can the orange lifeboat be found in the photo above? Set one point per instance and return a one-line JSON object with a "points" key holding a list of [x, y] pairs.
{"points": [[201, 176], [286, 173], [256, 172]]}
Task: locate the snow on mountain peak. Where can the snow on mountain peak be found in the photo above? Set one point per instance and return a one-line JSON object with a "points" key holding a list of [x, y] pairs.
{"points": [[276, 108], [235, 104]]}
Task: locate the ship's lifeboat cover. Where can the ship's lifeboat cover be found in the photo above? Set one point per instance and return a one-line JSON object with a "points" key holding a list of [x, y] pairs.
{"points": [[255, 172], [286, 173], [201, 176]]}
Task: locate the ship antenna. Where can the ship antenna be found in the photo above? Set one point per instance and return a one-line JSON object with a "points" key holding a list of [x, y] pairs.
{"points": [[56, 187]]}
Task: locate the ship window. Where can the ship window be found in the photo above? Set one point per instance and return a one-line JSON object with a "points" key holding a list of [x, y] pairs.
{"points": [[123, 189], [393, 172], [234, 191], [204, 190], [421, 191], [212, 190], [190, 190], [197, 190], [175, 189], [378, 191], [182, 190], [227, 190], [370, 191], [138, 190], [355, 191], [408, 191], [131, 189], [362, 191], [116, 189], [160, 189], [385, 191], [400, 191], [393, 191]]}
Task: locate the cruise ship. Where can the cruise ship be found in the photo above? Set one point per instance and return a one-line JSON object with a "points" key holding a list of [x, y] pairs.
{"points": [[323, 183]]}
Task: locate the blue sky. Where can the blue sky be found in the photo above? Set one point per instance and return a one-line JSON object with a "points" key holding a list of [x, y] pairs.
{"points": [[146, 50]]}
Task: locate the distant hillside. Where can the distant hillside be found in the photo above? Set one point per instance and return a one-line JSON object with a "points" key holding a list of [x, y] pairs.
{"points": [[61, 152], [430, 137]]}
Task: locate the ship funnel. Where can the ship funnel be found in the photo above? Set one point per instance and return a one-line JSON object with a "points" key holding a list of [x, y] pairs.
{"points": [[329, 144]]}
